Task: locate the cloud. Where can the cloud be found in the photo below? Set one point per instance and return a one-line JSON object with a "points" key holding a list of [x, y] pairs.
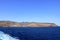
{"points": [[4, 36]]}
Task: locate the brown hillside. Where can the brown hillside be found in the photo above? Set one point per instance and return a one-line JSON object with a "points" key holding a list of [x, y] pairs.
{"points": [[25, 24]]}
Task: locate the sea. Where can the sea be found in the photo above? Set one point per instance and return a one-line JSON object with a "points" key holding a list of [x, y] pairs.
{"points": [[30, 33]]}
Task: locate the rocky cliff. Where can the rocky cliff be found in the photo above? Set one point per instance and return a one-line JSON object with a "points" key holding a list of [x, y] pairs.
{"points": [[25, 24]]}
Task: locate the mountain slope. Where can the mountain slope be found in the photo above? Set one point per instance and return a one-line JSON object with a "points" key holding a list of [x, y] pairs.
{"points": [[25, 24]]}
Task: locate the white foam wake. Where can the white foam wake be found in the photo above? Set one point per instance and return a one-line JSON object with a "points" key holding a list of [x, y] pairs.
{"points": [[4, 36]]}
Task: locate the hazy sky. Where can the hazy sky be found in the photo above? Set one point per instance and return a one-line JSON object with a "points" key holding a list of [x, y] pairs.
{"points": [[30, 10]]}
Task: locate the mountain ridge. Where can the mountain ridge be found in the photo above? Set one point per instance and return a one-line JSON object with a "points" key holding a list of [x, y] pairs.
{"points": [[25, 24]]}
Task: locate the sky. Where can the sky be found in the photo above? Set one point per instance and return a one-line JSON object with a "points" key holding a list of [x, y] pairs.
{"points": [[30, 10]]}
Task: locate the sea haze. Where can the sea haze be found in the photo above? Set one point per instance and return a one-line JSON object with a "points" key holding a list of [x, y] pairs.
{"points": [[30, 33]]}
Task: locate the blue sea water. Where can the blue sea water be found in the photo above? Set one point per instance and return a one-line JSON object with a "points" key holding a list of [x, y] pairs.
{"points": [[32, 33]]}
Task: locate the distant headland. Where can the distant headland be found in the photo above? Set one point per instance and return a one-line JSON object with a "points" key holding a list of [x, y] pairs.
{"points": [[25, 24]]}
